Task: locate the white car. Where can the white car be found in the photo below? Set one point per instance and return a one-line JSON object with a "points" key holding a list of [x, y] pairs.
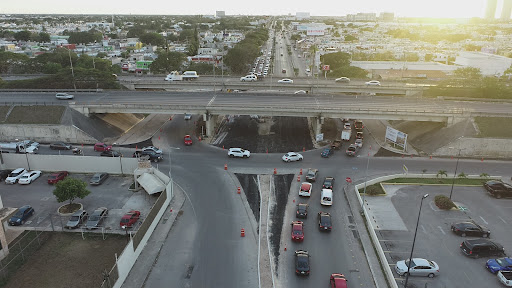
{"points": [[28, 177], [250, 78], [64, 96], [372, 83], [152, 148], [342, 80], [187, 116], [305, 189], [419, 267], [347, 126], [300, 92], [15, 175], [292, 156], [239, 152], [359, 143], [286, 81]]}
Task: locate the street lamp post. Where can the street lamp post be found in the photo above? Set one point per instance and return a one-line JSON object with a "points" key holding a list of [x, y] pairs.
{"points": [[414, 241], [455, 175], [120, 160], [365, 177]]}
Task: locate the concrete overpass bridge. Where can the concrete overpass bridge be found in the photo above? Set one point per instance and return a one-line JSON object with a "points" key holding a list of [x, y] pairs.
{"points": [[316, 107]]}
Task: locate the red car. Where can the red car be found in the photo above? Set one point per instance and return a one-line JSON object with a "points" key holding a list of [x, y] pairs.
{"points": [[298, 231], [56, 177], [102, 147], [338, 281], [129, 219], [187, 140]]}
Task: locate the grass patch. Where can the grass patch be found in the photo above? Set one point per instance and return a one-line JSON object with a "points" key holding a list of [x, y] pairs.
{"points": [[493, 127], [374, 189], [35, 115], [330, 129], [442, 181]]}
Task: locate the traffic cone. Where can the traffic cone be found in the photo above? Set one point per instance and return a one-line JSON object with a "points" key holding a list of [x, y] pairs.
{"points": [[275, 171], [242, 232], [300, 173], [430, 156], [222, 147], [225, 166], [284, 247], [199, 138], [238, 190], [303, 149], [298, 178]]}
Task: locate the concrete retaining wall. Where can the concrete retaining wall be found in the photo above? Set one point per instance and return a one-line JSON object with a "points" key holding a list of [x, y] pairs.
{"points": [[127, 259], [477, 147], [77, 164], [45, 133]]}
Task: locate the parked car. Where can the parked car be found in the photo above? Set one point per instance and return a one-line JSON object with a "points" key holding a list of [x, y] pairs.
{"points": [[64, 96], [56, 177], [311, 175], [302, 262], [15, 175], [100, 147], [111, 153], [328, 183], [305, 189], [187, 140], [470, 229], [298, 231], [342, 80], [60, 146], [78, 218], [358, 124], [153, 156], [359, 143], [419, 267], [498, 189], [4, 174], [338, 280], [129, 219], [324, 221], [336, 144], [292, 156], [327, 152], [187, 116], [326, 197], [153, 148], [239, 152], [96, 218], [500, 264], [372, 83], [352, 150], [359, 135], [481, 248], [21, 215], [28, 177], [302, 210], [98, 178], [285, 81], [300, 92], [347, 126]]}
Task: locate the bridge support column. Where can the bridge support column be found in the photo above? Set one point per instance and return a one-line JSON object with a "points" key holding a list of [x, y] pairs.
{"points": [[210, 124], [452, 120], [317, 122]]}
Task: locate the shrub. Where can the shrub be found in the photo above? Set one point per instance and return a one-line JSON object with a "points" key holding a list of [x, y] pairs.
{"points": [[443, 202], [372, 190]]}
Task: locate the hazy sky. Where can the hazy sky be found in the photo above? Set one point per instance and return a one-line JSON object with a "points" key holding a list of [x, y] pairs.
{"points": [[412, 8]]}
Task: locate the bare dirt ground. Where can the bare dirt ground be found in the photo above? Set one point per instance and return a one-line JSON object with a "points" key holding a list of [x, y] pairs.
{"points": [[66, 260], [35, 115]]}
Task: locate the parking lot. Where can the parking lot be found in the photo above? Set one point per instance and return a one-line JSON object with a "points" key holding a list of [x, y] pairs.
{"points": [[435, 241], [114, 194]]}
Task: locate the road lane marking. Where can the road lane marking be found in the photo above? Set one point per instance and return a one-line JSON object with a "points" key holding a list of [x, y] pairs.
{"points": [[484, 220], [213, 99], [424, 230], [502, 220], [441, 228]]}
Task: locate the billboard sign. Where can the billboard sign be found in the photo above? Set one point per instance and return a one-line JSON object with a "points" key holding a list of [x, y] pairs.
{"points": [[320, 137], [315, 31], [326, 67], [395, 136]]}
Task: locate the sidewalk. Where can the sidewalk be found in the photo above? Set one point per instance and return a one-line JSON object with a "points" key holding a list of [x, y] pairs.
{"points": [[366, 242], [142, 267], [144, 130]]}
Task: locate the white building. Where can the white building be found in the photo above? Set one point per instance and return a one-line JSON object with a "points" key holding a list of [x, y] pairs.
{"points": [[489, 64]]}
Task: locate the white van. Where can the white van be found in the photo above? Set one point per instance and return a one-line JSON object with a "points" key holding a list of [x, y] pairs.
{"points": [[250, 78], [326, 197], [190, 75]]}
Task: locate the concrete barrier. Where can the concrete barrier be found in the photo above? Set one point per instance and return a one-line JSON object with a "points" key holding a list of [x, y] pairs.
{"points": [[45, 133], [477, 147]]}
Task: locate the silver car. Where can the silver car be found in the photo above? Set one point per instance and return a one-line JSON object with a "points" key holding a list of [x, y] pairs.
{"points": [[78, 218], [419, 267], [64, 96]]}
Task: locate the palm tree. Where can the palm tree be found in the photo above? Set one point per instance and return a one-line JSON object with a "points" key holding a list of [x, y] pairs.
{"points": [[441, 173]]}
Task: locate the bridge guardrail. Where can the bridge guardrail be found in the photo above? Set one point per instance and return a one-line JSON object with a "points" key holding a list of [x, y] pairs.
{"points": [[54, 90]]}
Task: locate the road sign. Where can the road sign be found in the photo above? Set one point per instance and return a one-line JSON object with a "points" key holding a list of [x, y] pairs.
{"points": [[348, 180], [326, 67]]}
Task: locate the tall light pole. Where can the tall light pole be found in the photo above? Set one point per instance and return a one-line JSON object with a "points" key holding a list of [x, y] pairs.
{"points": [[365, 177], [455, 174], [414, 241]]}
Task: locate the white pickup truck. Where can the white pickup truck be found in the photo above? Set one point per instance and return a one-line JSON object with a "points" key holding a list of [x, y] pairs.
{"points": [[346, 134], [505, 277]]}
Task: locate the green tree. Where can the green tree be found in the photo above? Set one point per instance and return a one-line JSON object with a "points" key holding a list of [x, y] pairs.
{"points": [[135, 32], [152, 39], [441, 173], [42, 37], [167, 61], [336, 60], [468, 73], [295, 37], [349, 38], [22, 35], [51, 68], [69, 189], [84, 37]]}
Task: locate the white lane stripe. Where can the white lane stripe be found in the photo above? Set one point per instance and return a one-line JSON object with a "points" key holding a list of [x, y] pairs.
{"points": [[503, 220], [424, 230], [483, 220], [213, 99], [441, 229]]}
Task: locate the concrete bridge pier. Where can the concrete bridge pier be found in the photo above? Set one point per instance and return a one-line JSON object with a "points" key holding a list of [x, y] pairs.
{"points": [[317, 122], [452, 120], [210, 124]]}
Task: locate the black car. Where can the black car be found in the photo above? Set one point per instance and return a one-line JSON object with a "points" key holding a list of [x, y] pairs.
{"points": [[21, 216], [4, 174], [470, 229], [327, 152], [153, 156], [110, 153], [302, 210], [324, 221], [311, 176], [328, 183], [302, 262], [498, 189], [98, 178], [481, 248], [60, 146]]}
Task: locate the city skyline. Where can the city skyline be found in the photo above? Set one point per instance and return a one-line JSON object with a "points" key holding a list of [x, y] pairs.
{"points": [[401, 8]]}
